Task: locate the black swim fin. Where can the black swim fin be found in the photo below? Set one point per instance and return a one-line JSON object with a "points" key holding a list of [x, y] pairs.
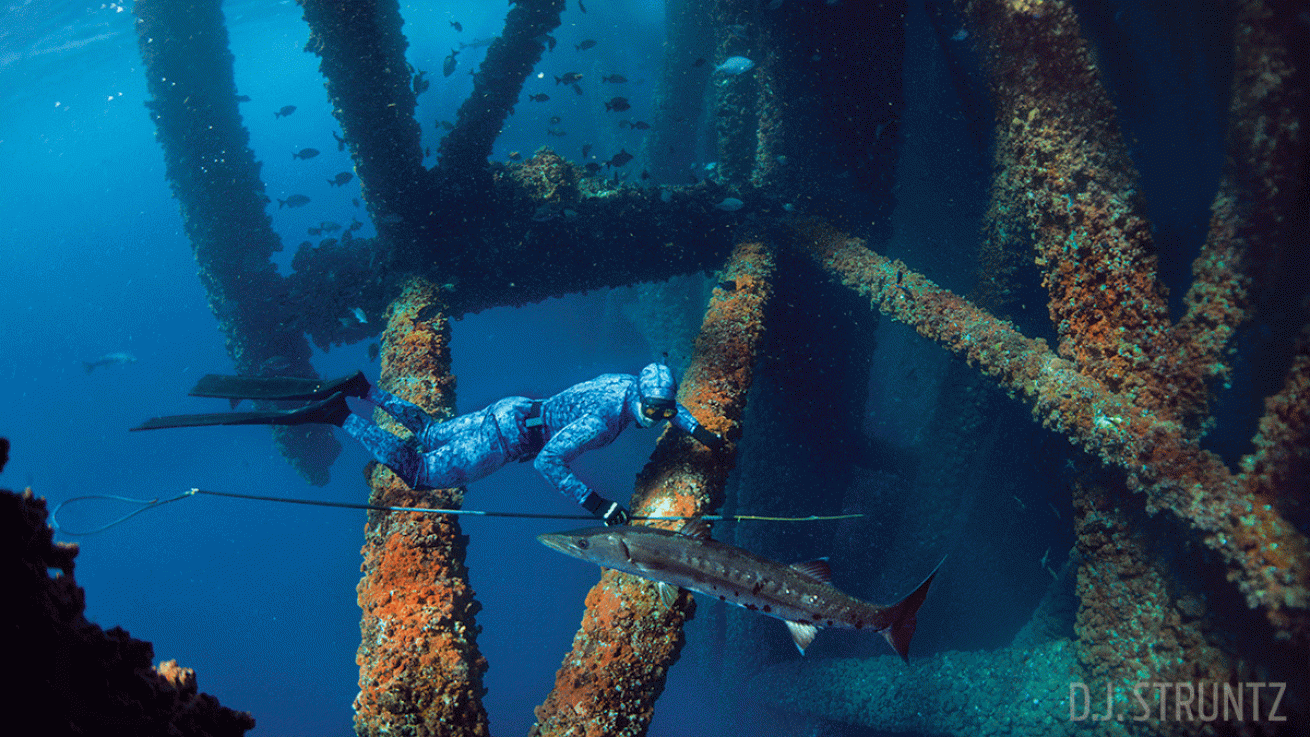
{"points": [[278, 387], [330, 411]]}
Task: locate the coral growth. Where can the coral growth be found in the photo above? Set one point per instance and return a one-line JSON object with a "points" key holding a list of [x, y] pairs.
{"points": [[69, 676], [610, 680], [420, 669]]}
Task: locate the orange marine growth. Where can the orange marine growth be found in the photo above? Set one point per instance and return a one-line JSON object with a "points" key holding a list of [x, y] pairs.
{"points": [[608, 683], [420, 670]]}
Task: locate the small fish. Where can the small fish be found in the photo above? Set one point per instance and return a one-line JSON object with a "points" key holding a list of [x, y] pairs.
{"points": [[586, 150], [576, 88], [801, 595], [341, 142], [445, 125], [374, 350], [618, 105], [589, 43], [340, 179], [555, 119], [458, 28], [640, 125], [614, 78], [619, 159], [730, 204], [421, 83], [295, 200], [305, 153], [109, 359], [582, 7], [699, 62], [514, 156], [555, 132], [285, 111], [243, 98], [568, 78], [645, 175], [539, 97], [329, 227], [550, 41], [735, 65], [448, 66], [359, 315], [592, 167]]}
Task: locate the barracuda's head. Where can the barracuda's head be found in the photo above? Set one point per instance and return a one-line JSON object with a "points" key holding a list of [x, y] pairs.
{"points": [[603, 546]]}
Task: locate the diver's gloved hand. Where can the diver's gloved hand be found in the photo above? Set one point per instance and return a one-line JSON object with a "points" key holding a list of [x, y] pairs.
{"points": [[711, 440], [611, 513]]}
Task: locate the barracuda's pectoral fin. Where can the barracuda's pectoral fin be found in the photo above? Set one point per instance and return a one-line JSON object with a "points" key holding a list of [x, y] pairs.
{"points": [[668, 593], [802, 634], [697, 528]]}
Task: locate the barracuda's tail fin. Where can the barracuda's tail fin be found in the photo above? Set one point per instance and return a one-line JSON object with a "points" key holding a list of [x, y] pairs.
{"points": [[903, 616]]}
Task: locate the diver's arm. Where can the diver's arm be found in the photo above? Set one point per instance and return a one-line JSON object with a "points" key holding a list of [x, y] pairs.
{"points": [[571, 441], [686, 421]]}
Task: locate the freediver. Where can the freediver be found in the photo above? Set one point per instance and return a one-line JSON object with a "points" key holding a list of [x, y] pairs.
{"points": [[550, 432]]}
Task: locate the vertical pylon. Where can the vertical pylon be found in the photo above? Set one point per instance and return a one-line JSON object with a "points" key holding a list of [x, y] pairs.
{"points": [[628, 641], [420, 672]]}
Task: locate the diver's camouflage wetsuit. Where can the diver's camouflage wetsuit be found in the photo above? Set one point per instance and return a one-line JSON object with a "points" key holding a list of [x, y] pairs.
{"points": [[552, 431]]}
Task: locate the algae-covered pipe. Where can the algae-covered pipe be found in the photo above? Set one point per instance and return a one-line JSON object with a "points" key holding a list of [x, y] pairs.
{"points": [[497, 84], [420, 671], [609, 682], [362, 53], [1266, 555], [214, 175]]}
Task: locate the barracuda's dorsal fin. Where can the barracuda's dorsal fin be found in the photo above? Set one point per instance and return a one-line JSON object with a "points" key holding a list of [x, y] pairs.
{"points": [[697, 528], [802, 633], [816, 569]]}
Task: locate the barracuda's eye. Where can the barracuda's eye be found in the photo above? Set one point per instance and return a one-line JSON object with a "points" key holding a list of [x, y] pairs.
{"points": [[581, 544]]}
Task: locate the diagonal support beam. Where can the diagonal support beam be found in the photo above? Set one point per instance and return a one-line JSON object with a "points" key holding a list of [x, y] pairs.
{"points": [[1266, 556], [193, 103], [609, 682]]}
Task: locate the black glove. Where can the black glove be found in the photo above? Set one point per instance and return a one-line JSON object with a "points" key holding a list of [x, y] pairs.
{"points": [[710, 440], [611, 513]]}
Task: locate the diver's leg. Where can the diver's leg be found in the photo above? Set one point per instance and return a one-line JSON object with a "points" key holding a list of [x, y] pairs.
{"points": [[465, 458], [388, 449], [412, 416]]}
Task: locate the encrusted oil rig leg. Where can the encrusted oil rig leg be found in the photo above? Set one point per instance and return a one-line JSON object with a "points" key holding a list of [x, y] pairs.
{"points": [[497, 85], [609, 683], [214, 175], [369, 82], [420, 672], [1266, 556]]}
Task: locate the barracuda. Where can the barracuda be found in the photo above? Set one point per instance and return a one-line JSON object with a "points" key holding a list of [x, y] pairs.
{"points": [[801, 595]]}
